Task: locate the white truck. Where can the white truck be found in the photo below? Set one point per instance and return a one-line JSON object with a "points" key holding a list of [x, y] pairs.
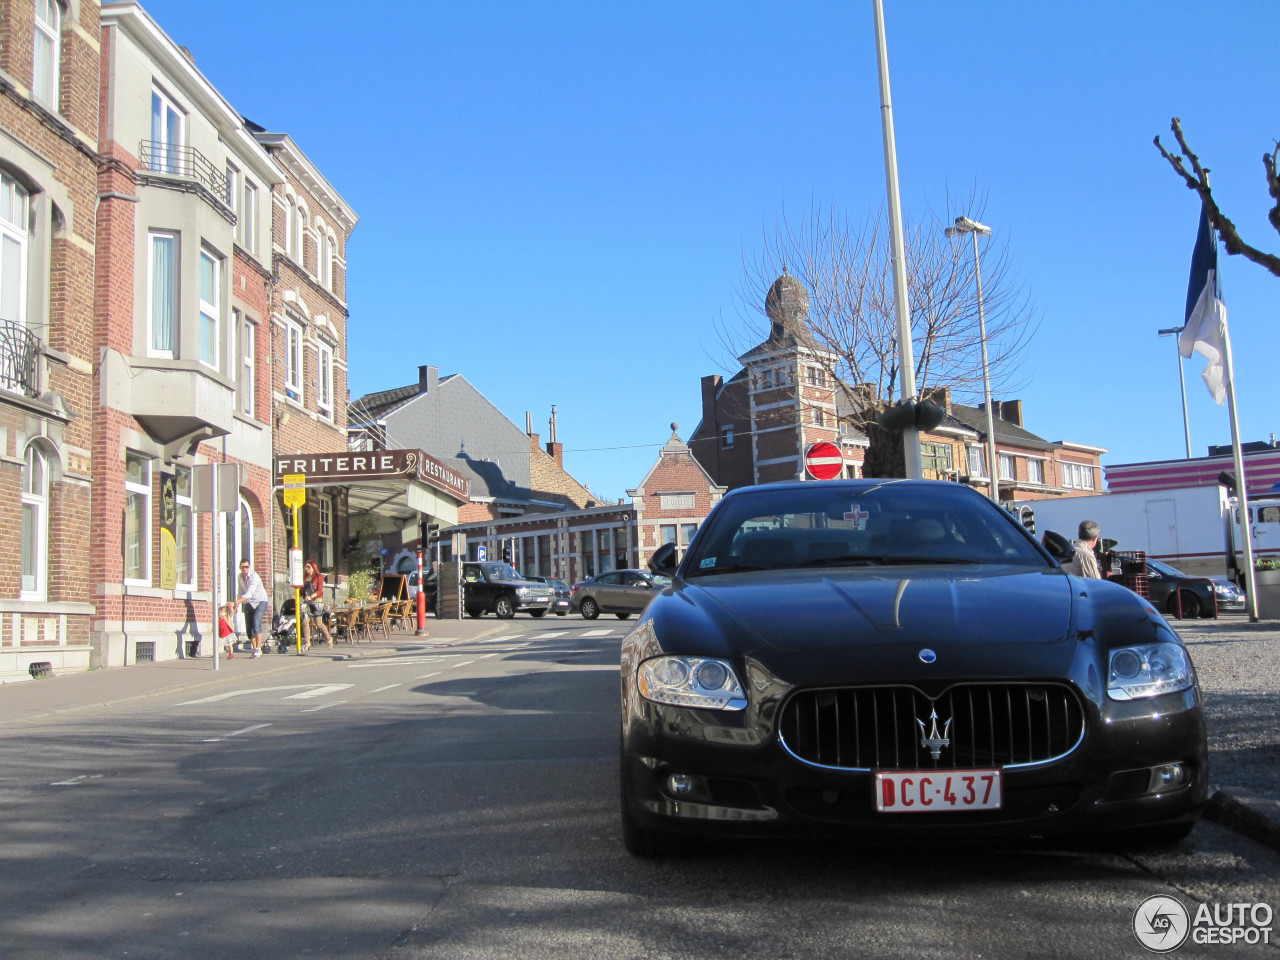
{"points": [[1192, 528]]}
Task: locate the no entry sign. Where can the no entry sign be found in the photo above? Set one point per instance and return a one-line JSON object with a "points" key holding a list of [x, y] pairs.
{"points": [[823, 461]]}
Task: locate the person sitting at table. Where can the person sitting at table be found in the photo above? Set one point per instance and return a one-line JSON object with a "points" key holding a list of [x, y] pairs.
{"points": [[313, 604]]}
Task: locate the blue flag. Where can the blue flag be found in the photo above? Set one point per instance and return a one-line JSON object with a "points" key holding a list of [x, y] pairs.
{"points": [[1206, 319]]}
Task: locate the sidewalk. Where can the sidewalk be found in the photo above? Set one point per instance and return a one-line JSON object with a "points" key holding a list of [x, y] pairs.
{"points": [[1238, 663], [33, 700]]}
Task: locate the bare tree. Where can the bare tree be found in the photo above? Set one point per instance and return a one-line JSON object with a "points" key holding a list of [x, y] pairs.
{"points": [[1197, 179], [847, 268]]}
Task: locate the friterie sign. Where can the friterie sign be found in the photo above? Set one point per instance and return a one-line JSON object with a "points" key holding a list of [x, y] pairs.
{"points": [[823, 461]]}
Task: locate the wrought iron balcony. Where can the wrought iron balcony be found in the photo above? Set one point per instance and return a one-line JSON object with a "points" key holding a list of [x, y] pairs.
{"points": [[186, 163], [19, 353]]}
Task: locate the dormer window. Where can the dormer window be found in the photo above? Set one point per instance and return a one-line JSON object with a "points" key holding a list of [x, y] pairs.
{"points": [[166, 134], [47, 41]]}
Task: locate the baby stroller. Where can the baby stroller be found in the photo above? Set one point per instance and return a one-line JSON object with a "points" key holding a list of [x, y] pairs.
{"points": [[284, 629]]}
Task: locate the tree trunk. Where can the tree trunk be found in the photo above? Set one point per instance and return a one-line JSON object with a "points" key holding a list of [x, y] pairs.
{"points": [[885, 454]]}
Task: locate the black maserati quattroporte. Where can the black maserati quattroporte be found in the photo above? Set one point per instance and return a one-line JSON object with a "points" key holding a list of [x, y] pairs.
{"points": [[890, 659]]}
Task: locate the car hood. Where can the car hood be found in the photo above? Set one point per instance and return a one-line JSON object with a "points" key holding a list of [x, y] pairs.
{"points": [[808, 609]]}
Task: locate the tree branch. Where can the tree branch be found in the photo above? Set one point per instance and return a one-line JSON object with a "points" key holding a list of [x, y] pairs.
{"points": [[1197, 179]]}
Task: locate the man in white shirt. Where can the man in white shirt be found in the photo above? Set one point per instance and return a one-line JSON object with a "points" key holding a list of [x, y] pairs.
{"points": [[253, 596], [1085, 562]]}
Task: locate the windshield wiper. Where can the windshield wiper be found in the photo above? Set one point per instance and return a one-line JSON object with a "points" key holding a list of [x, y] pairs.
{"points": [[731, 568], [924, 560], [849, 560]]}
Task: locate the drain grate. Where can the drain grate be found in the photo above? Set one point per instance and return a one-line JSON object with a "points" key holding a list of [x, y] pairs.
{"points": [[40, 669], [144, 651]]}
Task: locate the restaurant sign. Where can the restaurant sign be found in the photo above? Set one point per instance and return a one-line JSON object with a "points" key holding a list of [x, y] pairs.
{"points": [[363, 466]]}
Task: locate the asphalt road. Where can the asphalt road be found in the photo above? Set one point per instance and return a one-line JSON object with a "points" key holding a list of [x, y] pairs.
{"points": [[458, 800]]}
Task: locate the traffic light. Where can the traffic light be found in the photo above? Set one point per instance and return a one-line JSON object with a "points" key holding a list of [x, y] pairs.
{"points": [[921, 414], [506, 551], [1028, 518]]}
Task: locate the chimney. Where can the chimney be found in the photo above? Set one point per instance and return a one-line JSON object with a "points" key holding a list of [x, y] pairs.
{"points": [[556, 450], [1011, 410], [710, 387], [528, 424], [428, 377]]}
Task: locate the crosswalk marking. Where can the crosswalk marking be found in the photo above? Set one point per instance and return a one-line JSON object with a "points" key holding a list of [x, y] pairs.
{"points": [[427, 676], [241, 693], [553, 633], [597, 633], [464, 663], [324, 691], [518, 636], [387, 687], [394, 662], [323, 706], [236, 733]]}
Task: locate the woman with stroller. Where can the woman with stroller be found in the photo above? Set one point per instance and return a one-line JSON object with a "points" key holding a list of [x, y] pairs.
{"points": [[313, 607]]}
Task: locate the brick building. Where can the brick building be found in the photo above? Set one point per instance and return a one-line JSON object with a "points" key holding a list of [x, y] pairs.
{"points": [[181, 329], [49, 68], [757, 425], [307, 343], [668, 505]]}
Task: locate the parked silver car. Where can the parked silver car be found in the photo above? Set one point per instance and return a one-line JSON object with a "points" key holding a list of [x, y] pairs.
{"points": [[620, 592]]}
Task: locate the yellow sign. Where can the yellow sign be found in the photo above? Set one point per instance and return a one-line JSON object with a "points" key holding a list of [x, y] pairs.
{"points": [[168, 560], [295, 494]]}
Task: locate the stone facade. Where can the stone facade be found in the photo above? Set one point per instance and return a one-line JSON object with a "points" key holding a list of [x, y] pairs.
{"points": [[49, 109]]}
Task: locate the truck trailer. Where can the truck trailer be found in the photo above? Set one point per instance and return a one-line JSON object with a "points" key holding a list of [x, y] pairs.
{"points": [[1196, 529]]}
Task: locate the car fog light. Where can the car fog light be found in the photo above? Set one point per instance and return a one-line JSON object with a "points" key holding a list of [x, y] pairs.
{"points": [[679, 784], [1167, 776]]}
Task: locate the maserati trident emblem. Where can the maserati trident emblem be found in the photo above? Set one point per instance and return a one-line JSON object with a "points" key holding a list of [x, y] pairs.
{"points": [[932, 739]]}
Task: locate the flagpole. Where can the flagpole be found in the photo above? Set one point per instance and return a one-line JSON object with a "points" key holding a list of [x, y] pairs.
{"points": [[1242, 487]]}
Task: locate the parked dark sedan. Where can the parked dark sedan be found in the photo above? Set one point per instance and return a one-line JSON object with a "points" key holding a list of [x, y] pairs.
{"points": [[620, 592], [896, 659], [1178, 594]]}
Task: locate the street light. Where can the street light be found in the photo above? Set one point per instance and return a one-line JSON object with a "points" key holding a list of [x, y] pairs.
{"points": [[1182, 381], [965, 225]]}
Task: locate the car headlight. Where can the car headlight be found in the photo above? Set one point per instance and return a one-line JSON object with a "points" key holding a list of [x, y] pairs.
{"points": [[691, 682], [1147, 671]]}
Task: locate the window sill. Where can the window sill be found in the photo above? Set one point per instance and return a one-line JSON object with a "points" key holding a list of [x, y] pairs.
{"points": [[248, 420]]}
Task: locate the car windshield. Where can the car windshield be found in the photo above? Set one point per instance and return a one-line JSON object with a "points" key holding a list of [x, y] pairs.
{"points": [[500, 571], [558, 583], [837, 525]]}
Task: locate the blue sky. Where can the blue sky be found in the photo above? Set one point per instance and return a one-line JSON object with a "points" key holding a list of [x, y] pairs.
{"points": [[556, 198]]}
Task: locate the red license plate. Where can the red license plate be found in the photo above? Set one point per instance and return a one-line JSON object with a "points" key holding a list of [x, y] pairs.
{"points": [[933, 791]]}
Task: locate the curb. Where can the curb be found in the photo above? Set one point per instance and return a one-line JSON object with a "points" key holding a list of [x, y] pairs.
{"points": [[1248, 815]]}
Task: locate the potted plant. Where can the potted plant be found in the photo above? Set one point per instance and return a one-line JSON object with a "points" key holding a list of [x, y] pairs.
{"points": [[1266, 573]]}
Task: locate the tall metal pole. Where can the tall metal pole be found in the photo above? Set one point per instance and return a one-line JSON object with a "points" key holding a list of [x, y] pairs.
{"points": [[1242, 487], [1182, 383], [902, 307], [993, 462]]}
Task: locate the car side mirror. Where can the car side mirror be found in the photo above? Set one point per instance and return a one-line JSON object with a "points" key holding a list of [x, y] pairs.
{"points": [[1059, 547], [663, 560]]}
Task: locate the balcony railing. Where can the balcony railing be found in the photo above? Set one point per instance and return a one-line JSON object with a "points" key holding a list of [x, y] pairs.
{"points": [[188, 163], [19, 352]]}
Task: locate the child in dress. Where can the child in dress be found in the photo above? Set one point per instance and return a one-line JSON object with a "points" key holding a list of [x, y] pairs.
{"points": [[226, 619]]}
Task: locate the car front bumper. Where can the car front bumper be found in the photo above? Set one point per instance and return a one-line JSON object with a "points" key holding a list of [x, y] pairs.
{"points": [[746, 784]]}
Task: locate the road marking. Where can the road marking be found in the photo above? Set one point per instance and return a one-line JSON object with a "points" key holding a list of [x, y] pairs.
{"points": [[464, 663], [427, 676], [236, 733], [596, 633], [76, 781], [324, 691], [323, 706], [394, 662], [518, 636], [487, 656], [243, 693], [387, 687], [554, 633]]}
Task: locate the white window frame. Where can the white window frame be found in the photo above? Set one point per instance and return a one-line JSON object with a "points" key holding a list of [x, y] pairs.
{"points": [[143, 490], [726, 438], [299, 241], [185, 503], [246, 380], [1007, 459], [167, 159], [232, 198], [1034, 466], [175, 306], [13, 228], [210, 311], [45, 84], [293, 353], [324, 531], [1077, 476], [290, 214], [37, 500], [971, 452], [249, 217], [324, 380]]}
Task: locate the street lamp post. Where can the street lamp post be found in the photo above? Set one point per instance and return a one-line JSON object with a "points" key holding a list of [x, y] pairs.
{"points": [[965, 225], [1182, 382]]}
